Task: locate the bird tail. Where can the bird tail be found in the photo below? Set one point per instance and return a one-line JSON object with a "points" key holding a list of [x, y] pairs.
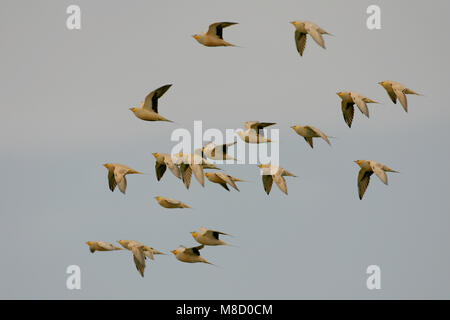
{"points": [[409, 91]]}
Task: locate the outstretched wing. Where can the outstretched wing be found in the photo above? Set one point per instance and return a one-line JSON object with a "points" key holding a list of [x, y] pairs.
{"points": [[160, 169], [359, 100], [378, 169], [402, 97], [151, 100], [194, 250], [227, 179], [216, 29], [348, 111], [319, 133], [315, 34], [281, 182], [300, 41], [267, 182], [363, 182], [111, 180], [186, 174]]}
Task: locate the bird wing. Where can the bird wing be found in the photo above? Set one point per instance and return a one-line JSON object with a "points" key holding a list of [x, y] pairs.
{"points": [[198, 172], [111, 180], [319, 133], [172, 167], [195, 251], [315, 34], [186, 174], [267, 182], [227, 179], [214, 234], [359, 100], [300, 41], [391, 93], [348, 111], [258, 126], [402, 97], [378, 169], [139, 258], [160, 169], [363, 181], [119, 176], [151, 100], [310, 141], [281, 182], [216, 29]]}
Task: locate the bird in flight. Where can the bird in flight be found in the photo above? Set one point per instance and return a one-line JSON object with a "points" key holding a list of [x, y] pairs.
{"points": [[310, 132], [217, 152], [116, 175], [101, 246], [164, 160], [271, 173], [254, 132], [148, 110], [368, 167], [170, 203], [398, 91], [208, 237], [190, 255], [223, 179], [214, 36], [302, 29], [349, 98]]}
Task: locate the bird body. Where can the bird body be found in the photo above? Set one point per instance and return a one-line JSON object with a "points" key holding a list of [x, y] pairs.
{"points": [[368, 167], [208, 237], [272, 173], [116, 175], [398, 91], [310, 132], [170, 203], [148, 110], [213, 37], [349, 98], [302, 29]]}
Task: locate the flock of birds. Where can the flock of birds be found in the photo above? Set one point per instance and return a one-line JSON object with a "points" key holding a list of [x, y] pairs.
{"points": [[183, 165]]}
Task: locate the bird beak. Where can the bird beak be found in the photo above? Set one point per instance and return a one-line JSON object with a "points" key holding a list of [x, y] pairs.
{"points": [[174, 251]]}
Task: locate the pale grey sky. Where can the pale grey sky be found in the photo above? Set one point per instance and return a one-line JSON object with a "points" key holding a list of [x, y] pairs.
{"points": [[65, 99]]}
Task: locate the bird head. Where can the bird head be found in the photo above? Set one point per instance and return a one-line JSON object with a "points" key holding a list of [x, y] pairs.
{"points": [[134, 109], [294, 23], [158, 198], [88, 243], [155, 154], [207, 174], [340, 94], [107, 165], [194, 234], [196, 36], [122, 242], [262, 166], [294, 127], [358, 162], [175, 252]]}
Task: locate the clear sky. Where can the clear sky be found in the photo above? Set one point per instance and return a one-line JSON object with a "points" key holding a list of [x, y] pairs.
{"points": [[64, 112]]}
